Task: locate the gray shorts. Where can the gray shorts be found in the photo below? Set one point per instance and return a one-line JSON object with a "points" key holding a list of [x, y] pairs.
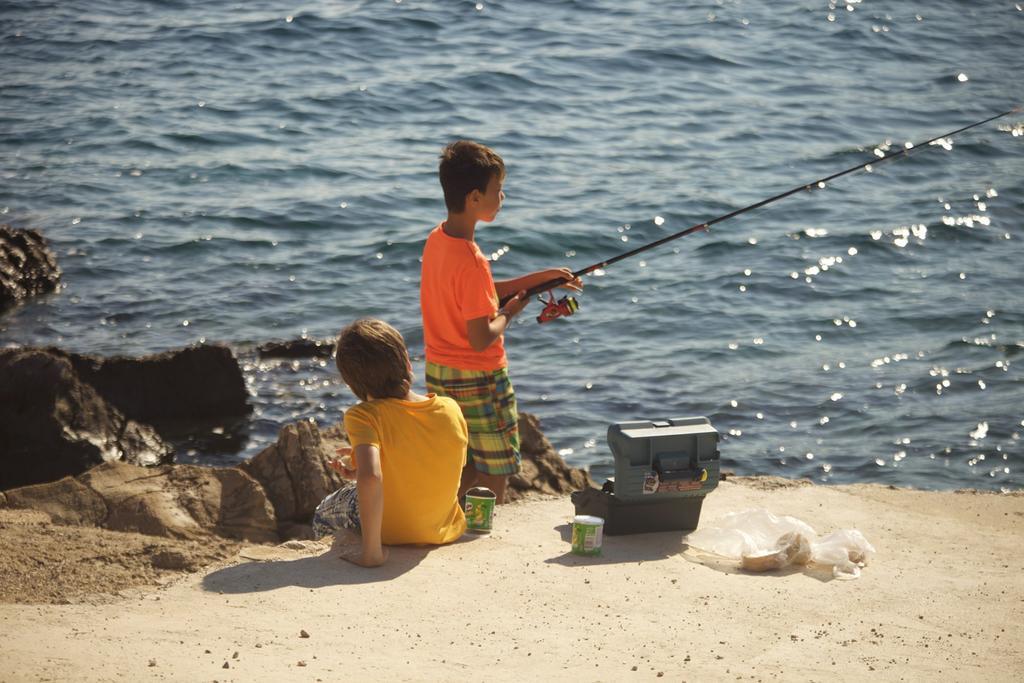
{"points": [[339, 510]]}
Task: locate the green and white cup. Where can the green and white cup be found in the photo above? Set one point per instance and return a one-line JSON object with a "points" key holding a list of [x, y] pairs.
{"points": [[480, 509], [587, 532]]}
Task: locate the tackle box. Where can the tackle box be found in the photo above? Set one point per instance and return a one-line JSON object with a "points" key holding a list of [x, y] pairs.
{"points": [[663, 470]]}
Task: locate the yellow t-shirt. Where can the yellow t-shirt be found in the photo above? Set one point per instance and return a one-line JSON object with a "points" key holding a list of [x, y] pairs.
{"points": [[422, 450]]}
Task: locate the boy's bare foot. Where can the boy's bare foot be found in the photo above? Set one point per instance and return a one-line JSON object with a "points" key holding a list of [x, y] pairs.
{"points": [[349, 546], [355, 555]]}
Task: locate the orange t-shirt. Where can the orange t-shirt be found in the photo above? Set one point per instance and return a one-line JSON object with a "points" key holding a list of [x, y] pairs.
{"points": [[456, 286]]}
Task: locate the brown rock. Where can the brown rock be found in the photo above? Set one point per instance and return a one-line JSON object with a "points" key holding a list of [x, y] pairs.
{"points": [[27, 266], [52, 424], [172, 559], [174, 501], [294, 472], [67, 501], [543, 469]]}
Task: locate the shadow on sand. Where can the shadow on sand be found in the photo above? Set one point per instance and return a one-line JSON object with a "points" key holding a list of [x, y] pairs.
{"points": [[630, 548], [325, 569]]}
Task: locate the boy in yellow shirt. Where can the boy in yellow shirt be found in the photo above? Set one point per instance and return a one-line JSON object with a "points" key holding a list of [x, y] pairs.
{"points": [[406, 456], [463, 326]]}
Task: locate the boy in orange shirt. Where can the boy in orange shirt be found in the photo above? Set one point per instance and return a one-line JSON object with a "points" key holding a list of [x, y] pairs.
{"points": [[406, 457], [463, 326]]}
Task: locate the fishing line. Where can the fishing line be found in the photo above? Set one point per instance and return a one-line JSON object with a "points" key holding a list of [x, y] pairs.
{"points": [[567, 305]]}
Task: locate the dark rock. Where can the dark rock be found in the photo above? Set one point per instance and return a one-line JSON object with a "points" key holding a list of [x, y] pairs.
{"points": [[294, 472], [52, 424], [543, 469], [198, 383], [27, 266], [173, 501], [297, 348]]}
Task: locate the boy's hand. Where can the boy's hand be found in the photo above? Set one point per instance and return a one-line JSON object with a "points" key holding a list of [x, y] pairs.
{"points": [[343, 465], [570, 281]]}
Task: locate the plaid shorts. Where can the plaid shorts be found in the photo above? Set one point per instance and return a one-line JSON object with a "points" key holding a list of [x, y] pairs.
{"points": [[339, 510], [488, 403]]}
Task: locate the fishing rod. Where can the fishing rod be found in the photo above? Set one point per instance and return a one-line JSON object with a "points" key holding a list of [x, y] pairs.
{"points": [[568, 305]]}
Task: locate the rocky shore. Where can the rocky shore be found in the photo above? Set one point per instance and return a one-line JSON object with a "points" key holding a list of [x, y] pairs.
{"points": [[87, 469], [117, 562], [174, 517]]}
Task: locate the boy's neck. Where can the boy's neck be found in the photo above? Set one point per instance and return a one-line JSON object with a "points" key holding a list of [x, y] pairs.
{"points": [[410, 396], [459, 225]]}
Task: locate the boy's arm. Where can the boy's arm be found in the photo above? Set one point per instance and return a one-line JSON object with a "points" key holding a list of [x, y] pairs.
{"points": [[370, 488], [505, 288], [483, 331]]}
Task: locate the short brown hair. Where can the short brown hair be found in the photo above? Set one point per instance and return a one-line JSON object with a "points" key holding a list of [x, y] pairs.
{"points": [[467, 166], [373, 360]]}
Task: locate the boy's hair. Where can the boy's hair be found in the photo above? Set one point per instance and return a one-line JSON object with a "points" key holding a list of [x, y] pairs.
{"points": [[467, 166], [373, 360]]}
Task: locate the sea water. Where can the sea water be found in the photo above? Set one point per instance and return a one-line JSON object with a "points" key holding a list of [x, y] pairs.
{"points": [[244, 172]]}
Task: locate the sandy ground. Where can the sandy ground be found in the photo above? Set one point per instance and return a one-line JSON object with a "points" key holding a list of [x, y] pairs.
{"points": [[42, 562], [942, 600]]}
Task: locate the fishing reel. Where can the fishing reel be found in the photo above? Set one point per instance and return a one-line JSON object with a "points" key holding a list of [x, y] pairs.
{"points": [[562, 308]]}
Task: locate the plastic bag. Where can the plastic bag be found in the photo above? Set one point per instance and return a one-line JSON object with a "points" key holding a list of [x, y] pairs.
{"points": [[762, 541], [846, 550]]}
